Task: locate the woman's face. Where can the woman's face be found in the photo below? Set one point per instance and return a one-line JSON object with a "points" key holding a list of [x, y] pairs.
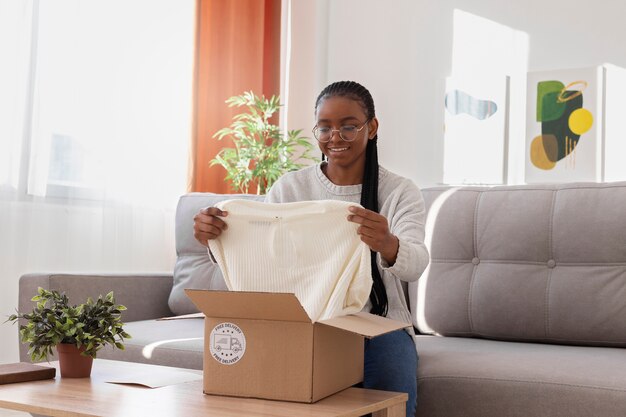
{"points": [[335, 112]]}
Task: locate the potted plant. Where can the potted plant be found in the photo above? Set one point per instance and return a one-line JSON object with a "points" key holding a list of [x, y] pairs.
{"points": [[262, 153], [77, 331]]}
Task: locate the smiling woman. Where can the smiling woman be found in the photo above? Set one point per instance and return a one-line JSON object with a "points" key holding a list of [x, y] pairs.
{"points": [[390, 222]]}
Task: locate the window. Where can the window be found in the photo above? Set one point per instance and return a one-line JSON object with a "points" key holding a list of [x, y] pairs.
{"points": [[108, 106]]}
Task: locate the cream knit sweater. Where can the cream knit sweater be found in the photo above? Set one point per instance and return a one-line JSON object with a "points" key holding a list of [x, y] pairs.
{"points": [[399, 200], [306, 248]]}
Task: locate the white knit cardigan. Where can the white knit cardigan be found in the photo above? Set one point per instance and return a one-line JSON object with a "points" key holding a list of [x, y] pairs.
{"points": [[307, 248]]}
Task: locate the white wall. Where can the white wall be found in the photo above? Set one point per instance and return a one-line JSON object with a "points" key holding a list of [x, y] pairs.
{"points": [[48, 237], [401, 50]]}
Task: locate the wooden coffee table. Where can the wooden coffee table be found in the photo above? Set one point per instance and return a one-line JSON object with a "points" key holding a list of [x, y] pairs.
{"points": [[87, 397]]}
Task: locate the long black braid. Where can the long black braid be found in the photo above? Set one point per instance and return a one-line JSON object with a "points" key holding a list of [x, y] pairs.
{"points": [[369, 190]]}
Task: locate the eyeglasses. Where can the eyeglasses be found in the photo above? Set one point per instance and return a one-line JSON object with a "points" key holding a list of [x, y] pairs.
{"points": [[346, 132]]}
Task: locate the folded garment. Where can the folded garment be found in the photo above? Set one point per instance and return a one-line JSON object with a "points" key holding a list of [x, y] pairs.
{"points": [[307, 248]]}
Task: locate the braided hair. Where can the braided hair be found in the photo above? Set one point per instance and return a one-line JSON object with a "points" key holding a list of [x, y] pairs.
{"points": [[369, 190]]}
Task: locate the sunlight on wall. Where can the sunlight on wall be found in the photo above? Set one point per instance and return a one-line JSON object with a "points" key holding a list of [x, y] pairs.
{"points": [[484, 49], [484, 46]]}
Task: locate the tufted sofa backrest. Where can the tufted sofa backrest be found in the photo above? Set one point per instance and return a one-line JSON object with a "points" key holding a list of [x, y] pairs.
{"points": [[542, 263]]}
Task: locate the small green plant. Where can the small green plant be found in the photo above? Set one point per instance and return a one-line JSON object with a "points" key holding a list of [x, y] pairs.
{"points": [[91, 325], [261, 153]]}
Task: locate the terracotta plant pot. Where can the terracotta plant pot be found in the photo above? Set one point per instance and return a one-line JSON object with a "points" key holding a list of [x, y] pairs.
{"points": [[72, 363]]}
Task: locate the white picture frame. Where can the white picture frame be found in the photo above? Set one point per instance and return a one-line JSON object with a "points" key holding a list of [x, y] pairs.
{"points": [[564, 126], [476, 129]]}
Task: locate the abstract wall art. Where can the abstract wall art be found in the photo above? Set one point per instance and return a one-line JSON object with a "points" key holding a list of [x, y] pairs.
{"points": [[563, 140], [475, 129]]}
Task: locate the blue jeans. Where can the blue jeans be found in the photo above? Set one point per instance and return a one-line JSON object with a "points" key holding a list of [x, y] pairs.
{"points": [[391, 365]]}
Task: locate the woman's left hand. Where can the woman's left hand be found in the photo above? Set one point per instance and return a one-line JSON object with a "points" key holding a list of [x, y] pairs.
{"points": [[374, 231]]}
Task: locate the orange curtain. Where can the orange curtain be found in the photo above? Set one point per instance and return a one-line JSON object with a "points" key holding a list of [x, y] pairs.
{"points": [[237, 50]]}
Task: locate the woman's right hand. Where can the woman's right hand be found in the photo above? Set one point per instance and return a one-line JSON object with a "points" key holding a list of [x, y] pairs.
{"points": [[208, 225]]}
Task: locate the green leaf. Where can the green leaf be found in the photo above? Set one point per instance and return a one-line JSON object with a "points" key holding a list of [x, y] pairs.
{"points": [[261, 153]]}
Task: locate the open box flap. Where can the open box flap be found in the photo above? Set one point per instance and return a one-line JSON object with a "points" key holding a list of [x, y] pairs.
{"points": [[249, 305], [365, 324]]}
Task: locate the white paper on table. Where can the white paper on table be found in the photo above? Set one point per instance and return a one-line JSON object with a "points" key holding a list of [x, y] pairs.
{"points": [[156, 378]]}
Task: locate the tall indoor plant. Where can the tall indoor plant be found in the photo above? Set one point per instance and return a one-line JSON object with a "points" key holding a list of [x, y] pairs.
{"points": [[77, 331], [261, 152]]}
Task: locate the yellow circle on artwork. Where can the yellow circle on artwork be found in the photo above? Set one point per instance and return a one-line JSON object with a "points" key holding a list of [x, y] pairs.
{"points": [[543, 150], [580, 121]]}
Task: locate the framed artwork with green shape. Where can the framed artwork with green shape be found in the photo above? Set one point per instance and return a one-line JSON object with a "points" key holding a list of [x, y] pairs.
{"points": [[563, 132]]}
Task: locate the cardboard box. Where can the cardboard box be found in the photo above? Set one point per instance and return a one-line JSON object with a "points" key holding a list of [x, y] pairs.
{"points": [[264, 345]]}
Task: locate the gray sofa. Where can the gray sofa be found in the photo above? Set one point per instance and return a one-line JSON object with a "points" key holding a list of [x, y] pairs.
{"points": [[521, 312]]}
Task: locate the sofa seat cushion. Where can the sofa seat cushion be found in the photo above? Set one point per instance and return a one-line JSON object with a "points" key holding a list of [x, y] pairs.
{"points": [[177, 343], [482, 378]]}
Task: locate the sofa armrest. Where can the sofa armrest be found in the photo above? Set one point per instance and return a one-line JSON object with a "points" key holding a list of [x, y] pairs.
{"points": [[145, 295]]}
